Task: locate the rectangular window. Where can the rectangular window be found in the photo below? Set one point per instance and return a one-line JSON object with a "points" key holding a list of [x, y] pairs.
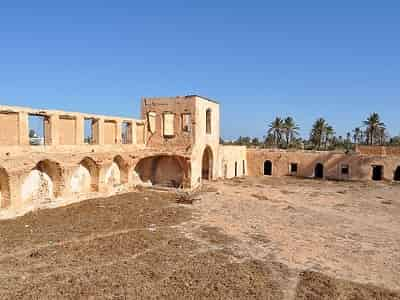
{"points": [[126, 133], [169, 120], [293, 168], [152, 121], [39, 130], [91, 131], [208, 121], [345, 170], [186, 122], [140, 133]]}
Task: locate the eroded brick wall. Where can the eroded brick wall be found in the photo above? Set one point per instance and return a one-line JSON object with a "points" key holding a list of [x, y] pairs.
{"points": [[179, 107]]}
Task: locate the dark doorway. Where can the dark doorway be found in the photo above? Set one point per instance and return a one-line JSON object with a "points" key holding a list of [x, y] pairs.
{"points": [[319, 171], [377, 173], [397, 174], [293, 168], [236, 169], [207, 165], [267, 168]]}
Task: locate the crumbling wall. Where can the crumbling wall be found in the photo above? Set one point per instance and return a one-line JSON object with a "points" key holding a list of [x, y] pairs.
{"points": [[37, 188], [113, 175], [90, 165], [158, 111], [162, 170], [81, 180], [4, 189]]}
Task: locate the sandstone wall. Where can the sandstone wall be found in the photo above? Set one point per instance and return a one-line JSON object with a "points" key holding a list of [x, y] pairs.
{"points": [[334, 163], [232, 162], [9, 132], [178, 106]]}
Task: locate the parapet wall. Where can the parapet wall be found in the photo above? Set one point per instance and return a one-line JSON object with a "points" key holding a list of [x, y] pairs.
{"points": [[378, 150], [62, 128]]}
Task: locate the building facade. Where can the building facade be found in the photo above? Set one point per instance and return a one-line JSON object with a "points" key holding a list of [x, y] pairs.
{"points": [[175, 143]]}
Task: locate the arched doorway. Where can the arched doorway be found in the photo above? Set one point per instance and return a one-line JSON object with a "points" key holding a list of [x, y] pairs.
{"points": [[268, 168], [207, 164], [123, 169], [86, 177], [377, 173], [53, 170], [4, 189], [43, 183], [319, 171], [163, 170], [397, 174]]}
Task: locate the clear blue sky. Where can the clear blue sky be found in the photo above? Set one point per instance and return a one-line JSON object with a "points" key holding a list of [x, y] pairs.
{"points": [[335, 59]]}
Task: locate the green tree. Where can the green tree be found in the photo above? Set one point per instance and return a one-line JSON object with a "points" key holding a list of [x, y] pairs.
{"points": [[357, 135], [290, 130], [374, 130], [276, 130], [395, 141], [317, 134], [255, 142], [328, 136]]}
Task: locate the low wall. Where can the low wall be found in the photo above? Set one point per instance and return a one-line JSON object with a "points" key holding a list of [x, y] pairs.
{"points": [[232, 162], [334, 164]]}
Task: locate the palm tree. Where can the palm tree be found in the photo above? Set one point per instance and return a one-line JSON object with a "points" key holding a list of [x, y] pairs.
{"points": [[328, 135], [318, 132], [290, 130], [374, 127], [276, 130], [357, 135]]}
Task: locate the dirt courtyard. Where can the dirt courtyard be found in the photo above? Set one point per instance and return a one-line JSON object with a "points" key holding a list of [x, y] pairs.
{"points": [[252, 238]]}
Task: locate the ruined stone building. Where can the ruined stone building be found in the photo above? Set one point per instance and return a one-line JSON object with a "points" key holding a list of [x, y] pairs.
{"points": [[175, 143]]}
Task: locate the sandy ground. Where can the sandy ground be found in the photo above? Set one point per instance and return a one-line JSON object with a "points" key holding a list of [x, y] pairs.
{"points": [[253, 238]]}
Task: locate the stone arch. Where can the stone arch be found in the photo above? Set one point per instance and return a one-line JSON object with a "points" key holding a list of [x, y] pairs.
{"points": [[163, 170], [43, 183], [396, 176], [5, 200], [267, 168], [86, 177], [207, 164], [319, 171], [123, 168], [54, 171]]}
